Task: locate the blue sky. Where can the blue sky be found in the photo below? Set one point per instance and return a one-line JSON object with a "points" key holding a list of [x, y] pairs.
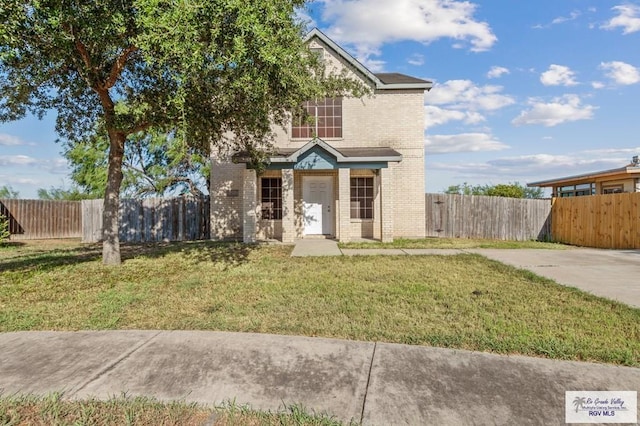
{"points": [[523, 90]]}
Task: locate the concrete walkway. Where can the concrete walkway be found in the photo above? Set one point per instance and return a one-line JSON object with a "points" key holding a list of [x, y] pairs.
{"points": [[316, 247], [372, 383], [614, 274]]}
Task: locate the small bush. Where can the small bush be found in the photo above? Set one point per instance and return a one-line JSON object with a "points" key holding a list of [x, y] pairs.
{"points": [[4, 229]]}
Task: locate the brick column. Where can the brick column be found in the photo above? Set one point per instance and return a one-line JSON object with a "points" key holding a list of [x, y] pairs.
{"points": [[344, 203], [377, 211], [250, 205], [386, 204], [288, 213]]}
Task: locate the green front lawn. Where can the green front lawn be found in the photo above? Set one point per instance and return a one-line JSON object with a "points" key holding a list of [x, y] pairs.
{"points": [[463, 301]]}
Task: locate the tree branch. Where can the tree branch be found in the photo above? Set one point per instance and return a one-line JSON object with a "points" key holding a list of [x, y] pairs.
{"points": [[118, 66], [138, 128]]}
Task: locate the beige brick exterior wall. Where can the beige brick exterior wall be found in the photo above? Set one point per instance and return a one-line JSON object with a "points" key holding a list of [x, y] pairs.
{"points": [[226, 194], [393, 119], [384, 118]]}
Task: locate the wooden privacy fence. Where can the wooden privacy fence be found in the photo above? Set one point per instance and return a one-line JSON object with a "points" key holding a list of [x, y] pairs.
{"points": [[603, 221], [151, 219], [42, 219], [477, 216]]}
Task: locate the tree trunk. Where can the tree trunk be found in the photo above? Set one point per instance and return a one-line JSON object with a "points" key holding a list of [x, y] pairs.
{"points": [[110, 216]]}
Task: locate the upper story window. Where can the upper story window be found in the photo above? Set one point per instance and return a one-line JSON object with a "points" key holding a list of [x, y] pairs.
{"points": [[321, 118]]}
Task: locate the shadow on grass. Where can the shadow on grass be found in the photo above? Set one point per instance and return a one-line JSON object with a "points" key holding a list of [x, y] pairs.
{"points": [[44, 260], [11, 244], [229, 254]]}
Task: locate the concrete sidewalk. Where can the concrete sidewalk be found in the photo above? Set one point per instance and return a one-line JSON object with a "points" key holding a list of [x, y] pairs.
{"points": [[372, 383]]}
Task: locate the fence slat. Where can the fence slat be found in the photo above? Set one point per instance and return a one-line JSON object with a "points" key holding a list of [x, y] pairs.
{"points": [[476, 216], [603, 221], [151, 219], [40, 219]]}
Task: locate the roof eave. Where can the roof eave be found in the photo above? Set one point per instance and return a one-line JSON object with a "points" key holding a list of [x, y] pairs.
{"points": [[405, 86], [623, 172]]}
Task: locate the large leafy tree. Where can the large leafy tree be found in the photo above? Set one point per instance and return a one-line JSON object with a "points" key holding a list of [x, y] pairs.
{"points": [[154, 164], [198, 68]]}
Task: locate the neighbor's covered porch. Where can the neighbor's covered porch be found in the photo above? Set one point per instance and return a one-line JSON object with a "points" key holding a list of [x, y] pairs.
{"points": [[320, 191]]}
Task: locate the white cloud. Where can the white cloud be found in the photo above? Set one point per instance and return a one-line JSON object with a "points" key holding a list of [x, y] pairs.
{"points": [[10, 140], [464, 94], [559, 110], [621, 72], [597, 84], [373, 65], [435, 116], [52, 165], [558, 75], [17, 160], [528, 168], [56, 165], [416, 59], [561, 19], [462, 100], [302, 16], [464, 142], [21, 181], [368, 24], [613, 151], [497, 72], [628, 18]]}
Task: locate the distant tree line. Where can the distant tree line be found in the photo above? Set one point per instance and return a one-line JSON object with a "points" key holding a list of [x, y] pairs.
{"points": [[510, 190]]}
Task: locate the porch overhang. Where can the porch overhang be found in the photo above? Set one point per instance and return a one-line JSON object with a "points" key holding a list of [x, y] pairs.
{"points": [[319, 155]]}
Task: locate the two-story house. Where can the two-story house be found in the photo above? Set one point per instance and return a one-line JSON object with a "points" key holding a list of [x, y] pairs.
{"points": [[356, 170]]}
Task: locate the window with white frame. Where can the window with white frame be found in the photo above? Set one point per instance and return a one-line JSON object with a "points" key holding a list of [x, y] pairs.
{"points": [[362, 198], [271, 198]]}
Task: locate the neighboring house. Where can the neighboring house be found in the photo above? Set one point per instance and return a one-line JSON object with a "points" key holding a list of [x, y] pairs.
{"points": [[355, 171], [623, 179]]}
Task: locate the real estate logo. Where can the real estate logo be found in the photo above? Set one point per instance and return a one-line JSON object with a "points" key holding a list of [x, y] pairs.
{"points": [[601, 406]]}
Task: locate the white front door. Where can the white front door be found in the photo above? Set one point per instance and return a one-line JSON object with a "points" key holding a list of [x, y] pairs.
{"points": [[317, 202]]}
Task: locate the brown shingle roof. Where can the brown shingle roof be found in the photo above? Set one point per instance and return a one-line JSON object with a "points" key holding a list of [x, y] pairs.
{"points": [[397, 78]]}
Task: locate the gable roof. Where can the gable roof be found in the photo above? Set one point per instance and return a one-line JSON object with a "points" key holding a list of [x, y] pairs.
{"points": [[382, 81]]}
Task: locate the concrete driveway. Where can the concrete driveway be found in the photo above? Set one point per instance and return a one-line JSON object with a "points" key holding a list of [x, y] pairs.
{"points": [[614, 274]]}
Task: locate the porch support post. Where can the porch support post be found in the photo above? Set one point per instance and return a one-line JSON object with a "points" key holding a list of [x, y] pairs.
{"points": [[288, 214], [344, 202], [250, 206], [377, 211], [386, 201]]}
